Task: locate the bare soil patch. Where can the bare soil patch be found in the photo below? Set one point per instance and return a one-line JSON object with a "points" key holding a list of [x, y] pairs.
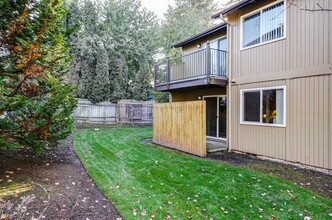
{"points": [[53, 185], [315, 181]]}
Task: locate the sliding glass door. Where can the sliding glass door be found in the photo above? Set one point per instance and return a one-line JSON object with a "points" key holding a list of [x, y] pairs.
{"points": [[216, 116]]}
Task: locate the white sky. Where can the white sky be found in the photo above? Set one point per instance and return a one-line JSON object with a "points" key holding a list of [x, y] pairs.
{"points": [[159, 7]]}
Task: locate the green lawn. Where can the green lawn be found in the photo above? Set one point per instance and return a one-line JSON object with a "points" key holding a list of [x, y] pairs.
{"points": [[148, 181]]}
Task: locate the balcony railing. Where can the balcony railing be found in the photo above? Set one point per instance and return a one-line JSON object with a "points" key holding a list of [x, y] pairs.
{"points": [[204, 63]]}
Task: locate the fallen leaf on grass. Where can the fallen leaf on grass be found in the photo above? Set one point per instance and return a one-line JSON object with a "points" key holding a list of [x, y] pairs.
{"points": [[57, 183], [143, 213], [152, 215], [4, 216]]}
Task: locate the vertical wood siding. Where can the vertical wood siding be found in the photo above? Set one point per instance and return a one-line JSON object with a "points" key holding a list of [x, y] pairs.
{"points": [[303, 63], [181, 126], [261, 140], [307, 137], [307, 43]]}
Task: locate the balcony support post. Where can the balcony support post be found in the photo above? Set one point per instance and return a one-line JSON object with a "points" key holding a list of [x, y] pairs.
{"points": [[208, 61], [168, 71]]}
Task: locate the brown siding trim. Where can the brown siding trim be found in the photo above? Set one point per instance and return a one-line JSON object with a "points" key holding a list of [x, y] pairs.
{"points": [[299, 73]]}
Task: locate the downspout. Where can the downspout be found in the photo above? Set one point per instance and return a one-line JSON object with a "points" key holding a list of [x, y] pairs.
{"points": [[229, 91]]}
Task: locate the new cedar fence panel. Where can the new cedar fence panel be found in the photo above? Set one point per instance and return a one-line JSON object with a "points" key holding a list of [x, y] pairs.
{"points": [[181, 126]]}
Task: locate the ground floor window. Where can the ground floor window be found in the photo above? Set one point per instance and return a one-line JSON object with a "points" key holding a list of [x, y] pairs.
{"points": [[265, 106]]}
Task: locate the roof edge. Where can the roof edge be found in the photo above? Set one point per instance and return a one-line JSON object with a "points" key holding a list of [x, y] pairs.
{"points": [[234, 7], [200, 35]]}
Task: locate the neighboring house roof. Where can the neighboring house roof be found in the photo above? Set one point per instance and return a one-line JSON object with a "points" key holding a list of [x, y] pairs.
{"points": [[234, 7], [200, 35]]}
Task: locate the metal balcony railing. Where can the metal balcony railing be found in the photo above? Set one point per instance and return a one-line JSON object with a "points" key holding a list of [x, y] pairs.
{"points": [[199, 64]]}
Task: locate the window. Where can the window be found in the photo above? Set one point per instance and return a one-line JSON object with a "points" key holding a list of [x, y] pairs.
{"points": [[263, 26], [263, 106], [218, 56]]}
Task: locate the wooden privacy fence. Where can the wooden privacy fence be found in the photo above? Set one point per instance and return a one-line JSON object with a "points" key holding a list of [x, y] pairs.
{"points": [[181, 125], [126, 111]]}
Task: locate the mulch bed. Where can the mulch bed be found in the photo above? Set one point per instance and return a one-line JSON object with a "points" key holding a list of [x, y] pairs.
{"points": [[315, 181], [53, 185]]}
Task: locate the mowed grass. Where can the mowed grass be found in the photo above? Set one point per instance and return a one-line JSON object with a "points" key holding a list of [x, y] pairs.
{"points": [[149, 181]]}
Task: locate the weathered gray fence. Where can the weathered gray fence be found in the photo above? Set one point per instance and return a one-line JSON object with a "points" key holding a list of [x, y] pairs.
{"points": [[126, 111]]}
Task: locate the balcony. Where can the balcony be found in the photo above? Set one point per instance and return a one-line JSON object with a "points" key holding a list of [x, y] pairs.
{"points": [[203, 67]]}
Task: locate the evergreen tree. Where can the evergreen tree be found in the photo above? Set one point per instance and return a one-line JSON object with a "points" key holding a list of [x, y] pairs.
{"points": [[142, 84], [181, 17], [35, 105], [87, 51], [132, 32], [72, 25], [130, 36], [75, 71], [119, 78], [101, 85], [88, 70]]}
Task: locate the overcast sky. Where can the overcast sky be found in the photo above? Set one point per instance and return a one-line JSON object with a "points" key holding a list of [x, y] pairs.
{"points": [[159, 7]]}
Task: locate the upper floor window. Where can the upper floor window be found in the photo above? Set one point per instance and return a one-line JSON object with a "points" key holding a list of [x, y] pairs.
{"points": [[266, 24]]}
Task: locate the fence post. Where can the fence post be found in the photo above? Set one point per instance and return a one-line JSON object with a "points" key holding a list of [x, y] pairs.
{"points": [[119, 112], [208, 61]]}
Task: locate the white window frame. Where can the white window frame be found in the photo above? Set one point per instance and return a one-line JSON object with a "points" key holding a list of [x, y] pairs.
{"points": [[242, 91], [260, 10]]}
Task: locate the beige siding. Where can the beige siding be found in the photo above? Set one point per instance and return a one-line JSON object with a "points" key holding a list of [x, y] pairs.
{"points": [[307, 46], [173, 123], [261, 140], [309, 128], [303, 63], [330, 124], [307, 137]]}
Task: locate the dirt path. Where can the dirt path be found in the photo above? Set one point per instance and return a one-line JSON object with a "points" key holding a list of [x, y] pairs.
{"points": [[54, 185]]}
